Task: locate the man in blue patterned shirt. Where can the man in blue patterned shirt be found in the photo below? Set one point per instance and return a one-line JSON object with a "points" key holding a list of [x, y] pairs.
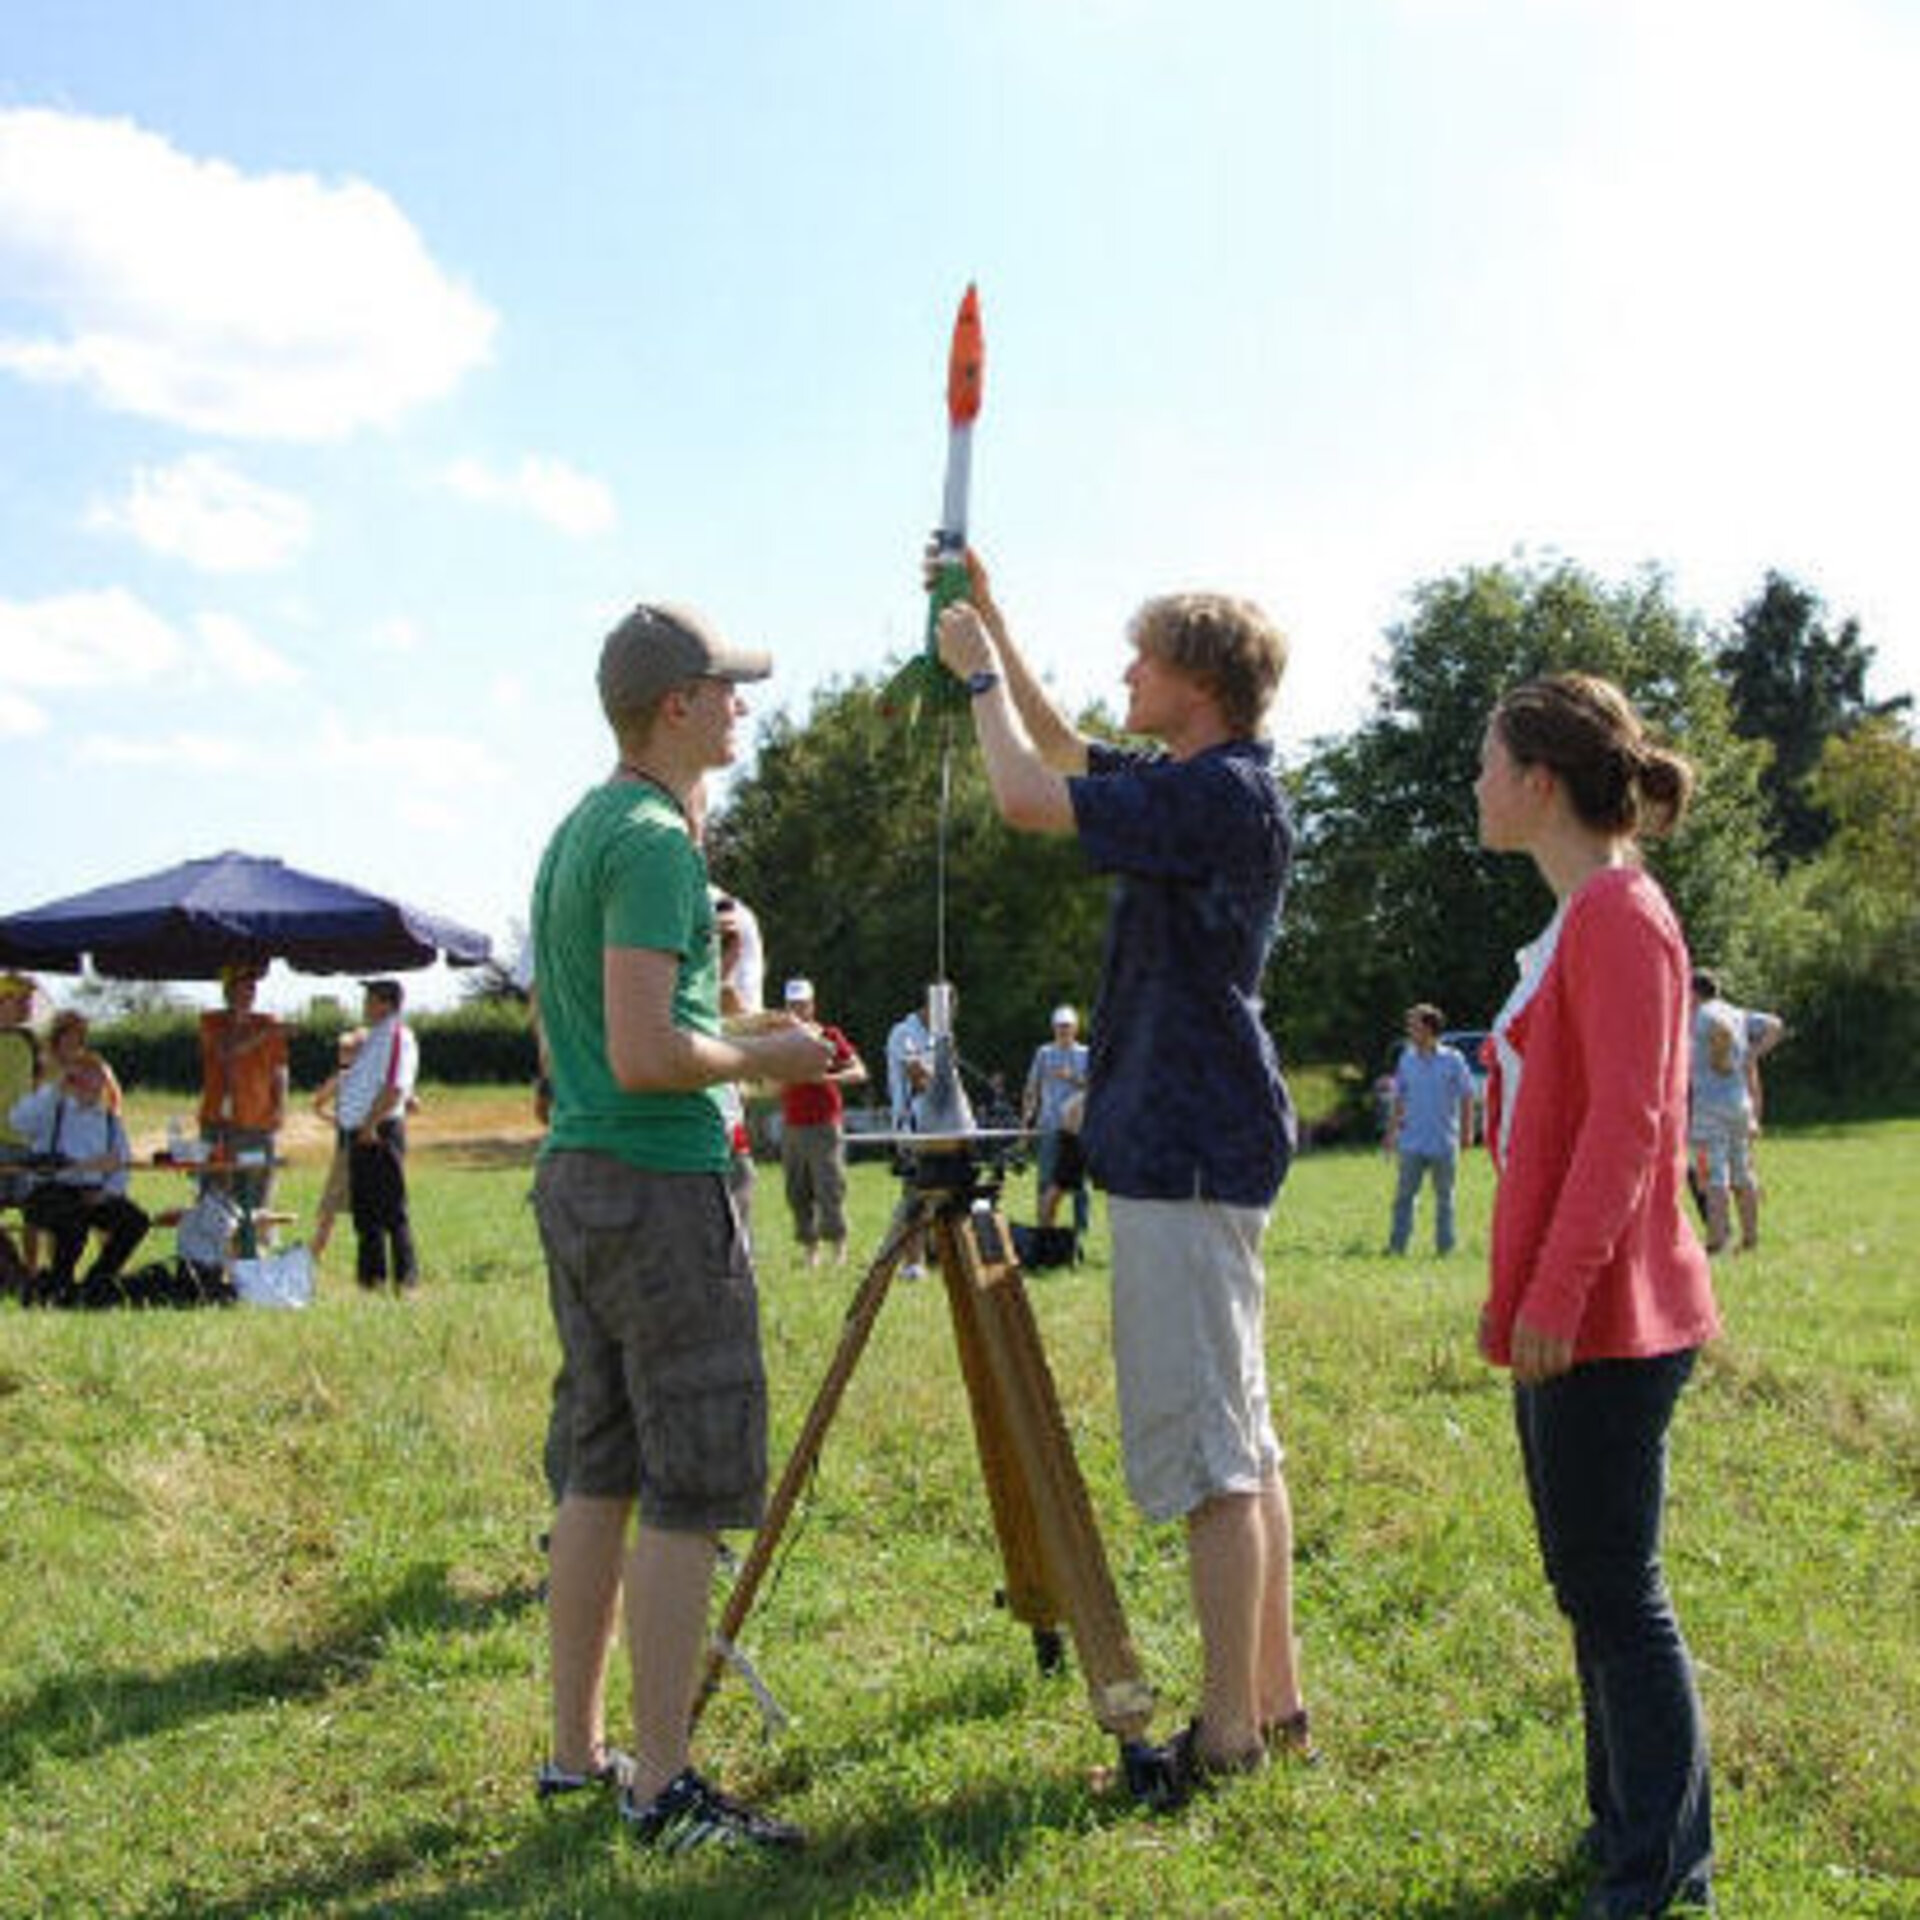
{"points": [[1188, 1123]]}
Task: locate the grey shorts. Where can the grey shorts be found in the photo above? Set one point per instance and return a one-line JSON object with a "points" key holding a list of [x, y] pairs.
{"points": [[659, 1322], [1189, 1312], [1726, 1139]]}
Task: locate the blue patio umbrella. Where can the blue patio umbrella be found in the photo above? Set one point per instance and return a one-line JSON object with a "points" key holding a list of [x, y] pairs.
{"points": [[189, 921]]}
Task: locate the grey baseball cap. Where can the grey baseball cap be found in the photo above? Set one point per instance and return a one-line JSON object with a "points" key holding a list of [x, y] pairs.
{"points": [[655, 649]]}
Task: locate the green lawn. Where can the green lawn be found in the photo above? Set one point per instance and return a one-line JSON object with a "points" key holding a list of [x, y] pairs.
{"points": [[272, 1644]]}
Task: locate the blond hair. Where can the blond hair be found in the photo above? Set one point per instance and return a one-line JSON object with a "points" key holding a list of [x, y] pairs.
{"points": [[1228, 645]]}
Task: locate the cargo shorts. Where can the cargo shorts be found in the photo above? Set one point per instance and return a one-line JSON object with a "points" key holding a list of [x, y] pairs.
{"points": [[662, 1395]]}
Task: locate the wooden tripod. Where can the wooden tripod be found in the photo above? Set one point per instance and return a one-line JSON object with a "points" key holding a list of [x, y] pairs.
{"points": [[1050, 1547]]}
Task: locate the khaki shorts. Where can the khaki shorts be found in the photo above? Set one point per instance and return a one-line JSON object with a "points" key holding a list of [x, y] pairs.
{"points": [[665, 1397], [1189, 1350]]}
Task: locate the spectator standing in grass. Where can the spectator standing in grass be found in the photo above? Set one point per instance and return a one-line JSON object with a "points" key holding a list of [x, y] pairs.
{"points": [[1432, 1114], [337, 1186], [649, 1272], [1600, 1296], [813, 1144], [1729, 1043], [1188, 1123], [371, 1107], [243, 1084], [1057, 1074], [19, 1075]]}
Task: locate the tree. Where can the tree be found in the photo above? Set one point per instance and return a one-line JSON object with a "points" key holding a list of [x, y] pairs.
{"points": [[501, 976], [1393, 900], [1848, 973], [1796, 686], [833, 839]]}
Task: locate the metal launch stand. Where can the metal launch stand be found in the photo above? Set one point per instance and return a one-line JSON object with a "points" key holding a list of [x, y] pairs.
{"points": [[1054, 1561]]}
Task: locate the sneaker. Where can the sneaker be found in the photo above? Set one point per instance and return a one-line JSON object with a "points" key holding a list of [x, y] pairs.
{"points": [[615, 1769], [690, 1812]]}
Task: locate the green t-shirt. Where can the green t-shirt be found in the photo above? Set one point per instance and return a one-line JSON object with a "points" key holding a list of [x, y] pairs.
{"points": [[622, 871]]}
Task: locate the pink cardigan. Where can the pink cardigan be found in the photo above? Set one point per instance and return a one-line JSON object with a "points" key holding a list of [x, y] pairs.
{"points": [[1588, 1238]]}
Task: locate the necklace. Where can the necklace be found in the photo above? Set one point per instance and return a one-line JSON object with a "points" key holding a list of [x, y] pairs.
{"points": [[652, 780]]}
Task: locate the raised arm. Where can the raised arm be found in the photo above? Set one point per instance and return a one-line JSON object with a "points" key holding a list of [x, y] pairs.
{"points": [[1060, 746]]}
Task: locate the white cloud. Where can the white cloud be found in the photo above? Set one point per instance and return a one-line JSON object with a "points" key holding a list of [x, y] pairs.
{"points": [[183, 752], [268, 306], [202, 511], [233, 656], [19, 717], [74, 641], [548, 489], [395, 634], [417, 761], [421, 774]]}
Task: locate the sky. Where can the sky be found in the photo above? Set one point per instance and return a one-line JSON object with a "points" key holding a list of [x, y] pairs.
{"points": [[360, 364]]}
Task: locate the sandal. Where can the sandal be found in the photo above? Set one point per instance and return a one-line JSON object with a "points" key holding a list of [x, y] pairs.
{"points": [[614, 1769], [1291, 1737]]}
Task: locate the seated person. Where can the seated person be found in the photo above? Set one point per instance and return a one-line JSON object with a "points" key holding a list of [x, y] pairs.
{"points": [[67, 1043], [71, 1119], [207, 1234]]}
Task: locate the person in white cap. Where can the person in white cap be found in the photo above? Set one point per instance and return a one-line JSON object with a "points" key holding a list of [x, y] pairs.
{"points": [[813, 1146], [649, 1272], [1058, 1073]]}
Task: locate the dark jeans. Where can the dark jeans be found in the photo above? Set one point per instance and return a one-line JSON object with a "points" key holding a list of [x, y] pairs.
{"points": [[1594, 1442], [377, 1185], [71, 1213]]}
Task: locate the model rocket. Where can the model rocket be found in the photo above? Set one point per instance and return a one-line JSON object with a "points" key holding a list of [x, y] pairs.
{"points": [[923, 681]]}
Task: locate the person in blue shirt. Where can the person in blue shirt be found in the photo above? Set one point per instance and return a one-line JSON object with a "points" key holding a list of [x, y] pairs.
{"points": [[1188, 1124], [1057, 1076], [1432, 1116]]}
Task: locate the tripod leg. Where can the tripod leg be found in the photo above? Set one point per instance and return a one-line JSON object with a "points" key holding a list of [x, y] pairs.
{"points": [[908, 1223], [1054, 1549]]}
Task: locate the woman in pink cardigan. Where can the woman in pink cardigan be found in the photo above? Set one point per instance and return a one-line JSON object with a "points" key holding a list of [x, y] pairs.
{"points": [[1600, 1296]]}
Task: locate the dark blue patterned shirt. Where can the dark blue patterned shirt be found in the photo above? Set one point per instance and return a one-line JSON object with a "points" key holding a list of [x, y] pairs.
{"points": [[1185, 1098]]}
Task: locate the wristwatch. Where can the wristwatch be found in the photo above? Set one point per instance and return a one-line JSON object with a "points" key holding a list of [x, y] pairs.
{"points": [[984, 680]]}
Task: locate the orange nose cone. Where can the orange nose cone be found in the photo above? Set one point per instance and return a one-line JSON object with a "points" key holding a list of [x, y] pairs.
{"points": [[967, 363]]}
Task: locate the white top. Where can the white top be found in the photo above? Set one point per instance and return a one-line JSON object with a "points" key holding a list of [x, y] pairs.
{"points": [[1533, 961], [1724, 1040], [909, 1040], [50, 1122], [748, 976], [388, 1056]]}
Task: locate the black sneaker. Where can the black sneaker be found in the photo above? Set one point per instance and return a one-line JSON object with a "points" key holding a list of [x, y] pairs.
{"points": [[690, 1812], [614, 1769]]}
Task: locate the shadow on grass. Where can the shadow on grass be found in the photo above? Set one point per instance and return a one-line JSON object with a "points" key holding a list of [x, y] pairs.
{"points": [[1543, 1894], [581, 1866], [83, 1714], [488, 1154]]}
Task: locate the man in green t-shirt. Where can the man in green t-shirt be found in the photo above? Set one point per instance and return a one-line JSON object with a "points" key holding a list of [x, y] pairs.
{"points": [[648, 1267]]}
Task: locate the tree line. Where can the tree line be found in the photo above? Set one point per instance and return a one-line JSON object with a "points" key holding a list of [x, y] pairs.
{"points": [[1797, 873]]}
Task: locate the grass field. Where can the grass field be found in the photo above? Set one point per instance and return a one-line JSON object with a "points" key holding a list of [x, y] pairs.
{"points": [[272, 1643]]}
